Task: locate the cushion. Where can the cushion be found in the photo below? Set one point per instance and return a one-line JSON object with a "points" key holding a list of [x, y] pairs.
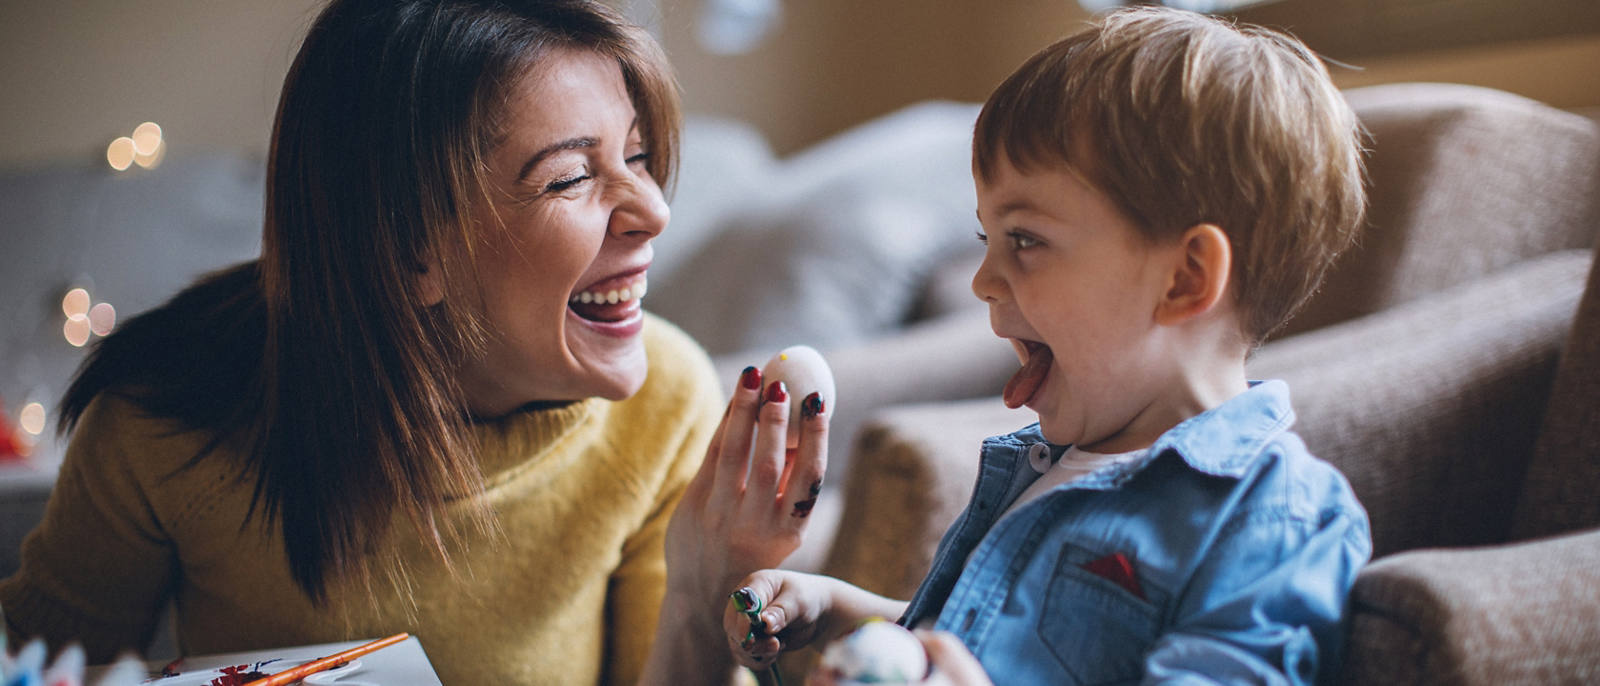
{"points": [[1464, 181], [835, 243], [1430, 408], [1515, 614]]}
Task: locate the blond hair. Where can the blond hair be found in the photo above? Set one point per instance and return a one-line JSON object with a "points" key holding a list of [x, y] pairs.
{"points": [[1183, 119]]}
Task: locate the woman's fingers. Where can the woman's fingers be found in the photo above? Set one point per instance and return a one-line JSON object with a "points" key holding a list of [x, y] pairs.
{"points": [[704, 477], [766, 463], [810, 461], [734, 444]]}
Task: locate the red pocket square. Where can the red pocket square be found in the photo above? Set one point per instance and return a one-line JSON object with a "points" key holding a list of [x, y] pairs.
{"points": [[1116, 568]]}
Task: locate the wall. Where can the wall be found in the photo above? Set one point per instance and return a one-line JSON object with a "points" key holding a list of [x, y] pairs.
{"points": [[80, 73]]}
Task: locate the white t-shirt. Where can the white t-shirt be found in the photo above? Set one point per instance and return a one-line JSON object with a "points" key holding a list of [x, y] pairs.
{"points": [[1074, 463]]}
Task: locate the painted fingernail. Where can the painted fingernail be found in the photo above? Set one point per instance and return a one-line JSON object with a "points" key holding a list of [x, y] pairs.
{"points": [[812, 405], [745, 599], [750, 378], [776, 392]]}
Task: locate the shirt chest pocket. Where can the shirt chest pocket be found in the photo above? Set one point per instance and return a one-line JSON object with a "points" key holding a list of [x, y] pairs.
{"points": [[1095, 627]]}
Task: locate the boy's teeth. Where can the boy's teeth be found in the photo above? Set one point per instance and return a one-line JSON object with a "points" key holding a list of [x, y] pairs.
{"points": [[611, 297]]}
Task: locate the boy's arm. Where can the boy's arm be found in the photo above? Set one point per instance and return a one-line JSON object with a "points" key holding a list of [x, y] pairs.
{"points": [[797, 610], [1267, 603]]}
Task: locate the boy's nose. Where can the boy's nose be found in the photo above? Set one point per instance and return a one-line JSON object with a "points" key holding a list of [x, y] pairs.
{"points": [[986, 284]]}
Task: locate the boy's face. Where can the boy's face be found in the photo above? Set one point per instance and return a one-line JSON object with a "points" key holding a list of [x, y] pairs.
{"points": [[1074, 287]]}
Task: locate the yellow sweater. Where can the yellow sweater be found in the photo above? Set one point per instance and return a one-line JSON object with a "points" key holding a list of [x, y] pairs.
{"points": [[568, 595]]}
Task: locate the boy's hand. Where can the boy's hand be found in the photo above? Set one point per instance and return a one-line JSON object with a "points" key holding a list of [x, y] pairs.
{"points": [[747, 507], [950, 663], [791, 610]]}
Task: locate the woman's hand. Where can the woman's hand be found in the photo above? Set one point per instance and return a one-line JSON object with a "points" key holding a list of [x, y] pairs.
{"points": [[747, 507]]}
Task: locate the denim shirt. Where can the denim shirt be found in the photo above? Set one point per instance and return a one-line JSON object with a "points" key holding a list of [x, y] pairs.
{"points": [[1224, 554]]}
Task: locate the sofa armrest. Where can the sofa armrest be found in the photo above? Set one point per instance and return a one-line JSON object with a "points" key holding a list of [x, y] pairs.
{"points": [[1520, 613]]}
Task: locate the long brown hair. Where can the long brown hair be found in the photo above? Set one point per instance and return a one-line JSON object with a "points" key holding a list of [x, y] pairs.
{"points": [[321, 362]]}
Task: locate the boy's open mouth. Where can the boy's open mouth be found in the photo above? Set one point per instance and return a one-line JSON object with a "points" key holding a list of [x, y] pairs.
{"points": [[609, 301], [1026, 382]]}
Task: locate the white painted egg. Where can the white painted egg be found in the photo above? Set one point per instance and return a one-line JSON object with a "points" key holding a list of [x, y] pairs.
{"points": [[877, 652], [803, 371]]}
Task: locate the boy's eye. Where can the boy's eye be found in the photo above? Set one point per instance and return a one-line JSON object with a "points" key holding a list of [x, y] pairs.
{"points": [[982, 237], [1020, 240]]}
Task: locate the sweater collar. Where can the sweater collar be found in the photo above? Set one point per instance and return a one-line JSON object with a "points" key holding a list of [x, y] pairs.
{"points": [[523, 437]]}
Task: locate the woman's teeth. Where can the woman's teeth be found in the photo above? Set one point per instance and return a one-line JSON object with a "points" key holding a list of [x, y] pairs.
{"points": [[610, 297]]}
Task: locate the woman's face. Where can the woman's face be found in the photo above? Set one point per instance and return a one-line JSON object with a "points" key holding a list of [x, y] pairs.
{"points": [[565, 240]]}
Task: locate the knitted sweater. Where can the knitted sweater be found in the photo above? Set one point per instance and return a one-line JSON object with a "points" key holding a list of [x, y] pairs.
{"points": [[568, 593]]}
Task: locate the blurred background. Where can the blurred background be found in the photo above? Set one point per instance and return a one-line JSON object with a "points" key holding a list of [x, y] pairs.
{"points": [[80, 73], [134, 131]]}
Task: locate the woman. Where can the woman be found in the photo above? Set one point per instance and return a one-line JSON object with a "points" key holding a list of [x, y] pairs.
{"points": [[433, 404]]}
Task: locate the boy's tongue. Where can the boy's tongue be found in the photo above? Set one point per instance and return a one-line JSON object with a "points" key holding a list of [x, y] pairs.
{"points": [[1026, 381]]}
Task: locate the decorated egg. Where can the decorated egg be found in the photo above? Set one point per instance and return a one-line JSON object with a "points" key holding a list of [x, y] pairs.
{"points": [[803, 371], [877, 652]]}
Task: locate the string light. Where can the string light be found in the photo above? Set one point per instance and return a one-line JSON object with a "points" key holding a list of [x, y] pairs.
{"points": [[120, 153], [75, 303], [32, 419], [85, 317], [102, 318], [76, 330], [146, 148]]}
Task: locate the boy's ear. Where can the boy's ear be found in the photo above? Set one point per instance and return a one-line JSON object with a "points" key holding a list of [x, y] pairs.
{"points": [[1200, 275], [430, 282]]}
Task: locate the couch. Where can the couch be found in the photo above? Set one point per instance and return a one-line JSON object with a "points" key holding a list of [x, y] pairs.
{"points": [[1423, 369], [1445, 367]]}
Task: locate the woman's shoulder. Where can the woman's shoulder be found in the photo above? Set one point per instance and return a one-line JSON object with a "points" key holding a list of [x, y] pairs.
{"points": [[116, 426]]}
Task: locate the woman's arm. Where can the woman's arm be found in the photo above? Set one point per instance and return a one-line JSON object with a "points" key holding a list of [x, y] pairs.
{"points": [[98, 568], [739, 514]]}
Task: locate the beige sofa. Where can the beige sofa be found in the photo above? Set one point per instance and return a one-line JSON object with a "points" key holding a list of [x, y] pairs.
{"points": [[1440, 368]]}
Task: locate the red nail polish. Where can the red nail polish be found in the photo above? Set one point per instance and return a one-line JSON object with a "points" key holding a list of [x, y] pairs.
{"points": [[750, 378], [776, 393]]}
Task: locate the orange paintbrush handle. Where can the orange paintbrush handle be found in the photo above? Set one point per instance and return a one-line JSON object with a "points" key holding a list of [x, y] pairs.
{"points": [[290, 676]]}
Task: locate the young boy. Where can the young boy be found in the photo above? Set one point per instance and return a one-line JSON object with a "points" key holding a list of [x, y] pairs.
{"points": [[1158, 194]]}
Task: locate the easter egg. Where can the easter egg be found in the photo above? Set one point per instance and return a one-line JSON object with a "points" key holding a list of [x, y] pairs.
{"points": [[877, 652], [803, 372]]}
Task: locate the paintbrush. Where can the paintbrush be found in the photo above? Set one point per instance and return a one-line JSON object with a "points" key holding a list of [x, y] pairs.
{"points": [[290, 676]]}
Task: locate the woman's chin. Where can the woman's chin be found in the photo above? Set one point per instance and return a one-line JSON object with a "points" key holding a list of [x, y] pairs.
{"points": [[616, 375]]}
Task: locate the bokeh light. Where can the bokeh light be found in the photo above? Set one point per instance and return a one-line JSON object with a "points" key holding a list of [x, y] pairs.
{"points": [[152, 160], [75, 303], [102, 318], [120, 153], [76, 330], [32, 419], [146, 138]]}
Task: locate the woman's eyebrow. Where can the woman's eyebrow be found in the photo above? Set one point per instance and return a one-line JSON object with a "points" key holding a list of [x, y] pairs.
{"points": [[568, 144]]}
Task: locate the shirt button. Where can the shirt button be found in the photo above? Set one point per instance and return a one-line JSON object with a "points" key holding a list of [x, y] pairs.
{"points": [[1039, 457], [972, 616]]}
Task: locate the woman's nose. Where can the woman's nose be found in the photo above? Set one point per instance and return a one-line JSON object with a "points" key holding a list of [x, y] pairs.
{"points": [[641, 210]]}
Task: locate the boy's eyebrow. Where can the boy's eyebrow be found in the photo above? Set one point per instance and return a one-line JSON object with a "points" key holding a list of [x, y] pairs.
{"points": [[1014, 205]]}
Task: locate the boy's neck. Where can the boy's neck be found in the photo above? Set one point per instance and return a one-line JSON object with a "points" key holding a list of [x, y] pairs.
{"points": [[1199, 382]]}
